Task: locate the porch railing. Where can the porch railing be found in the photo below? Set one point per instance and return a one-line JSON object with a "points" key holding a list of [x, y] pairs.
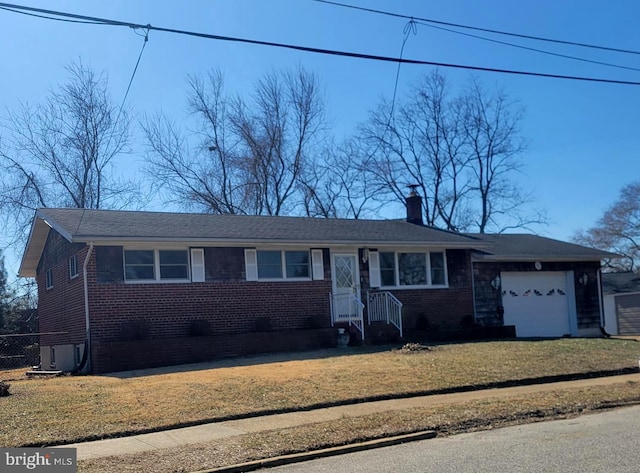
{"points": [[382, 306], [349, 309]]}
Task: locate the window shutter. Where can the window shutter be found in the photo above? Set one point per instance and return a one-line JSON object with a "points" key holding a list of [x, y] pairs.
{"points": [[251, 265], [318, 264], [197, 265], [374, 269]]}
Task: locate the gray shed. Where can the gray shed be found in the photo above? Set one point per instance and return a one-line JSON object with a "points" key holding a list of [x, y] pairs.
{"points": [[621, 303]]}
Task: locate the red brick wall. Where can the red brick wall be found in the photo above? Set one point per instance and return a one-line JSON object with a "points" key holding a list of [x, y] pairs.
{"points": [[435, 308], [166, 310], [61, 308], [128, 355]]}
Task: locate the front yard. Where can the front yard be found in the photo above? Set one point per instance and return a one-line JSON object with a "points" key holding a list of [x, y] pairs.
{"points": [[67, 409]]}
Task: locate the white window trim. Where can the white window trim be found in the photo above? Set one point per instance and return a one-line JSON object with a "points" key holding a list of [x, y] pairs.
{"points": [[73, 265], [156, 267], [251, 265], [377, 278]]}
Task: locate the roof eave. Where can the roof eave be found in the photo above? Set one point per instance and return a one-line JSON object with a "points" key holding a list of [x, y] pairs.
{"points": [[35, 244], [547, 258], [270, 241]]}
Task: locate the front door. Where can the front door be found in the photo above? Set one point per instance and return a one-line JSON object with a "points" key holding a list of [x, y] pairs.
{"points": [[345, 284]]}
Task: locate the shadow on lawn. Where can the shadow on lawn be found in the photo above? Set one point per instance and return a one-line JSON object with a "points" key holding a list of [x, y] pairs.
{"points": [[266, 359], [252, 360]]}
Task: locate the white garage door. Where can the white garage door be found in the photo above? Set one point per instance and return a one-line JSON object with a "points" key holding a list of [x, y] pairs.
{"points": [[628, 311], [536, 303]]}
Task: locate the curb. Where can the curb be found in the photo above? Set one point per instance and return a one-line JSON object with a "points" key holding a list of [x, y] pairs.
{"points": [[323, 453]]}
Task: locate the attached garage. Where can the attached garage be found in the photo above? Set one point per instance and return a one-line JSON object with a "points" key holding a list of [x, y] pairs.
{"points": [[539, 304]]}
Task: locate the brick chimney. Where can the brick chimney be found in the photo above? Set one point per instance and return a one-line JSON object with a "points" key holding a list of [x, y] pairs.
{"points": [[414, 206]]}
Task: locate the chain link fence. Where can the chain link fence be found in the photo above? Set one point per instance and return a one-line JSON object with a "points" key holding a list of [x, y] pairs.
{"points": [[19, 350]]}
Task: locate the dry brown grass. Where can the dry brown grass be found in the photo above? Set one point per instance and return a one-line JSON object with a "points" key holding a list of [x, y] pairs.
{"points": [[446, 419], [66, 409]]}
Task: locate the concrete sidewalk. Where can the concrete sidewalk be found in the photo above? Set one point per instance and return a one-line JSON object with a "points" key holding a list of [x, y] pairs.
{"points": [[211, 432]]}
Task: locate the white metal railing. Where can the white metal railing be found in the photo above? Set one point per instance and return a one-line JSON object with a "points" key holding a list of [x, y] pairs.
{"points": [[382, 306], [349, 309]]}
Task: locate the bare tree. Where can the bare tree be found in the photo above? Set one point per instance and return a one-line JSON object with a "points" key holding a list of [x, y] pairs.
{"points": [[618, 230], [492, 137], [62, 152], [208, 177], [460, 150], [249, 154], [338, 186]]}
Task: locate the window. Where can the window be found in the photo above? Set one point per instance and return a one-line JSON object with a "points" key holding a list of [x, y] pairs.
{"points": [[388, 269], [49, 279], [156, 265], [174, 264], [437, 269], [269, 264], [412, 269], [73, 267], [283, 264], [139, 265], [297, 264], [77, 354]]}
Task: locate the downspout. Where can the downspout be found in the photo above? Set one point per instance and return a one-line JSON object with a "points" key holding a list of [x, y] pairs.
{"points": [[87, 349]]}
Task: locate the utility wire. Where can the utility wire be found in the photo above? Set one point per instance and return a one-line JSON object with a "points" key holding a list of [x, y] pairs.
{"points": [[476, 28], [49, 17], [542, 51], [373, 57], [408, 29], [126, 94], [135, 69]]}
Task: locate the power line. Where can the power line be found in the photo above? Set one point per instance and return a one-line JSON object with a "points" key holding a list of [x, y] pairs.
{"points": [[477, 28], [373, 57], [519, 46], [49, 17]]}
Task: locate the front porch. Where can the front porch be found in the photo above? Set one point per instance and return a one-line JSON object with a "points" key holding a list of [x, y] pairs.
{"points": [[348, 310]]}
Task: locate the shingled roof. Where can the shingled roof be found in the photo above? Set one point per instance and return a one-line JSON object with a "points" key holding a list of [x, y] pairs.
{"points": [[84, 225], [527, 247], [120, 227], [616, 283], [80, 225]]}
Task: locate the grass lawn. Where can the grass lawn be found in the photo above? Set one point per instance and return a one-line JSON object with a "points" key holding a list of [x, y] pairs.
{"points": [[66, 409]]}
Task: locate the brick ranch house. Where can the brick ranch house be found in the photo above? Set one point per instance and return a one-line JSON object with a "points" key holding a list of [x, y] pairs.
{"points": [[123, 290]]}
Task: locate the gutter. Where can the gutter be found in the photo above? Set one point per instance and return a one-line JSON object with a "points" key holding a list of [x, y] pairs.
{"points": [[87, 354]]}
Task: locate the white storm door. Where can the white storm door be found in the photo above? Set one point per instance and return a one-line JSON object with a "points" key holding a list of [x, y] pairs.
{"points": [[345, 283]]}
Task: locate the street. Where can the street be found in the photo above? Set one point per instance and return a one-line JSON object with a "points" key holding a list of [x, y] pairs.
{"points": [[604, 442]]}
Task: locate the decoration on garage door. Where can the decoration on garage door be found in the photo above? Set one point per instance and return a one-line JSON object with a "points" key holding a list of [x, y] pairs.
{"points": [[537, 292]]}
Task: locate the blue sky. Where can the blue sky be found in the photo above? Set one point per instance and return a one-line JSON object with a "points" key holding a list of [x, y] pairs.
{"points": [[583, 138]]}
